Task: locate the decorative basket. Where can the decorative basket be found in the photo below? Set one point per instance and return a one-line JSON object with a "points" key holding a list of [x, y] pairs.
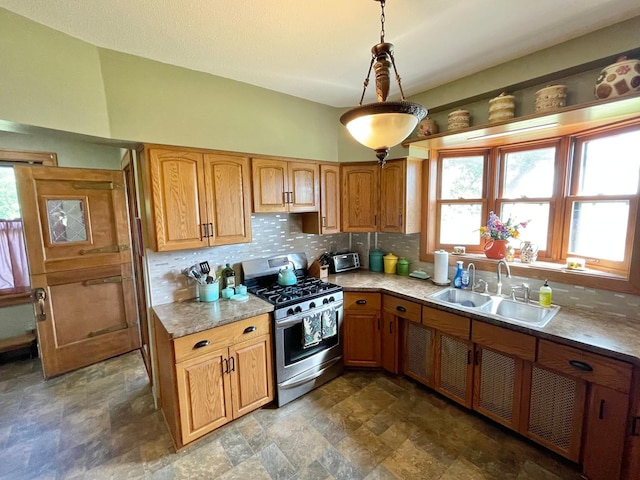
{"points": [[621, 78], [551, 98], [458, 119], [502, 108]]}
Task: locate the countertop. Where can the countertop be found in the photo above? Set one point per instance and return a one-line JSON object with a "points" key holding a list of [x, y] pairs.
{"points": [[597, 332], [192, 316]]}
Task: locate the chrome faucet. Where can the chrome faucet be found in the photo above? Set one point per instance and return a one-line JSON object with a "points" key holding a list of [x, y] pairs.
{"points": [[472, 278], [499, 285], [526, 292]]}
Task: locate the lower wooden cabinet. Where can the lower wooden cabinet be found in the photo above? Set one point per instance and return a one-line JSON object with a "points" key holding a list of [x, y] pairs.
{"points": [[390, 342], [212, 377], [362, 330], [454, 368], [418, 352]]}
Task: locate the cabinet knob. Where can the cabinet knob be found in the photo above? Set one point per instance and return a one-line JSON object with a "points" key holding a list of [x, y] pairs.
{"points": [[202, 343], [585, 367], [361, 302], [400, 308], [634, 429], [250, 329]]}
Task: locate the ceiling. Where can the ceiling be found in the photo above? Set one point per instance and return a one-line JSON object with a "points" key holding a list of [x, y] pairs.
{"points": [[320, 50]]}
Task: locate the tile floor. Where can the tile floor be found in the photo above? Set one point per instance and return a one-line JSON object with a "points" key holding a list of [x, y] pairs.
{"points": [[100, 423]]}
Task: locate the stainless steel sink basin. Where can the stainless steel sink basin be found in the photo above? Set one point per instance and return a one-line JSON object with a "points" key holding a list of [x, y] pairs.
{"points": [[458, 297], [522, 313]]}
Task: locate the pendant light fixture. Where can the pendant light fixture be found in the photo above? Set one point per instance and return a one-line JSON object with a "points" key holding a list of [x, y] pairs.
{"points": [[383, 124]]}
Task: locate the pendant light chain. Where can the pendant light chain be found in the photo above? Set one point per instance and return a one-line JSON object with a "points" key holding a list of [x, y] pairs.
{"points": [[382, 18]]}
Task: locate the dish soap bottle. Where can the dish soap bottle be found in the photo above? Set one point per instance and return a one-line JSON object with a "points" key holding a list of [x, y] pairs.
{"points": [[457, 279], [545, 295], [229, 276]]}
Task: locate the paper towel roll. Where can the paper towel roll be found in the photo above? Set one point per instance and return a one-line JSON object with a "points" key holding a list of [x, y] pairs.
{"points": [[440, 266]]}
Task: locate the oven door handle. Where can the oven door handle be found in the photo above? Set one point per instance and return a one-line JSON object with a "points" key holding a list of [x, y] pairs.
{"points": [[297, 381], [287, 322]]}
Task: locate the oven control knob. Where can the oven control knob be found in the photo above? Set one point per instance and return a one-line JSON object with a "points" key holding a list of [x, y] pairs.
{"points": [[298, 309], [312, 305], [290, 311], [331, 299], [325, 301]]}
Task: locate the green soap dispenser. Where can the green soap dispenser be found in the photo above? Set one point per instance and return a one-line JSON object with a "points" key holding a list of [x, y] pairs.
{"points": [[545, 295]]}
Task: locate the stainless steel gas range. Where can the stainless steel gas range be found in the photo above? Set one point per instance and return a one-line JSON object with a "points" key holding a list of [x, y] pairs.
{"points": [[307, 324]]}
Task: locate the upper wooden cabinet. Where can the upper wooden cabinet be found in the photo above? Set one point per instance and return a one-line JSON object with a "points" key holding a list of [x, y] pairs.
{"points": [[195, 198], [285, 186], [382, 199], [326, 221]]}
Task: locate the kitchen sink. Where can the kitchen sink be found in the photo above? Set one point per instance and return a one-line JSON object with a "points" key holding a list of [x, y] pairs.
{"points": [[498, 307], [519, 312], [465, 298]]}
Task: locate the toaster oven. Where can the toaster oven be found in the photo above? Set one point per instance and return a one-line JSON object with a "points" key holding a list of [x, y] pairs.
{"points": [[343, 262]]}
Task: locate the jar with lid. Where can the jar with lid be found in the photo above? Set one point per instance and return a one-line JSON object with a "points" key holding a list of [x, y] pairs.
{"points": [[390, 263], [403, 267], [375, 260]]}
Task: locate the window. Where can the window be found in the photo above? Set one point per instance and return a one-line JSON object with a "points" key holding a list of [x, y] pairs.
{"points": [[579, 195]]}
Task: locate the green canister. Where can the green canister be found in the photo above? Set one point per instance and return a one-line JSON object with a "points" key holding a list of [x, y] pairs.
{"points": [[375, 260], [403, 267]]}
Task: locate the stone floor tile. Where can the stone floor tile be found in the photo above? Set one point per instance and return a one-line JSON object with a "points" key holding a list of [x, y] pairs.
{"points": [[275, 463], [410, 462], [313, 471], [340, 467]]}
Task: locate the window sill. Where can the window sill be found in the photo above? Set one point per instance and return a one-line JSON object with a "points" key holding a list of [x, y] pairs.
{"points": [[15, 296], [554, 272]]}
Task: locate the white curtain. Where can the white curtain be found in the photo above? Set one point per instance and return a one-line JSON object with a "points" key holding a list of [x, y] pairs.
{"points": [[14, 266]]}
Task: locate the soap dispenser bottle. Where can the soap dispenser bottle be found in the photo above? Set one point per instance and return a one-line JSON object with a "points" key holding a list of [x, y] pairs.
{"points": [[457, 279], [545, 295]]}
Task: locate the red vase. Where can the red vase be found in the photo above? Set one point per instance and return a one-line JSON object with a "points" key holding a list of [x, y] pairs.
{"points": [[496, 249]]}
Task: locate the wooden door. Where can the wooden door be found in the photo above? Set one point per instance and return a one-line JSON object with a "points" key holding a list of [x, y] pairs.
{"points": [[204, 394], [251, 375], [178, 200], [362, 340], [360, 198], [304, 187], [454, 368], [606, 427], [270, 185], [227, 189], [392, 196], [390, 343], [418, 348], [78, 245], [330, 199]]}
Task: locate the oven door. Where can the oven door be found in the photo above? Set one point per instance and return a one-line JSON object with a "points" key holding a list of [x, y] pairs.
{"points": [[292, 358]]}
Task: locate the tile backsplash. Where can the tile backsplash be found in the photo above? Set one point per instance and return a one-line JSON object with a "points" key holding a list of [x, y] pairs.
{"points": [[272, 234]]}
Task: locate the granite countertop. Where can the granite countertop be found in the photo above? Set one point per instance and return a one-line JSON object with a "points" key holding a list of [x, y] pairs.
{"points": [[192, 316], [592, 331]]}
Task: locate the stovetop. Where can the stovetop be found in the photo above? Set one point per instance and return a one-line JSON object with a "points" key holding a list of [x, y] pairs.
{"points": [[306, 288]]}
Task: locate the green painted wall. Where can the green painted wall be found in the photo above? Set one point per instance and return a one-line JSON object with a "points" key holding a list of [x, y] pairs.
{"points": [[49, 79]]}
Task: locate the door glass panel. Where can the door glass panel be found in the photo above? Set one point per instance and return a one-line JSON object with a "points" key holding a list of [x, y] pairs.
{"points": [[459, 223], [599, 229], [66, 221], [462, 177], [529, 173]]}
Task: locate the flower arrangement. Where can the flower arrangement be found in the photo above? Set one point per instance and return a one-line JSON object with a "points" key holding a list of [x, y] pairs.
{"points": [[498, 230]]}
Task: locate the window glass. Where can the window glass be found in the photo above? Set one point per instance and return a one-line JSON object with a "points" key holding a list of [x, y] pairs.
{"points": [[599, 229], [66, 221], [462, 177], [529, 173], [611, 165], [537, 216], [9, 206], [459, 223]]}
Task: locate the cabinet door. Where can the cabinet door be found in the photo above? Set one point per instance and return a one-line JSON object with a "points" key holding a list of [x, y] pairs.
{"points": [[227, 186], [454, 368], [555, 410], [392, 196], [304, 187], [631, 459], [497, 386], [418, 348], [270, 185], [360, 198], [606, 427], [251, 374], [177, 199], [362, 340], [329, 199], [204, 394], [390, 343]]}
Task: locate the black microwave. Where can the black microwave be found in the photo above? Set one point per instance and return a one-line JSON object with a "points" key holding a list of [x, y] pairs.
{"points": [[343, 262]]}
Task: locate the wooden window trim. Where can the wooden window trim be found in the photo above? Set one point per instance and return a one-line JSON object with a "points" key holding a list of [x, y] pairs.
{"points": [[626, 282], [46, 159]]}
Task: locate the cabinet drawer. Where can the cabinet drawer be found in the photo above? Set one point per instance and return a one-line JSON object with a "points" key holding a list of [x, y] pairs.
{"points": [[194, 345], [446, 322], [402, 308], [589, 366], [361, 301], [504, 340]]}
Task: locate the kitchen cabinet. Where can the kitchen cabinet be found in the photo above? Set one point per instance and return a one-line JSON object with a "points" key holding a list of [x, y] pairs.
{"points": [[285, 186], [499, 359], [397, 311], [362, 330], [212, 377], [327, 221], [382, 199], [418, 352], [195, 198], [452, 352], [631, 457]]}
